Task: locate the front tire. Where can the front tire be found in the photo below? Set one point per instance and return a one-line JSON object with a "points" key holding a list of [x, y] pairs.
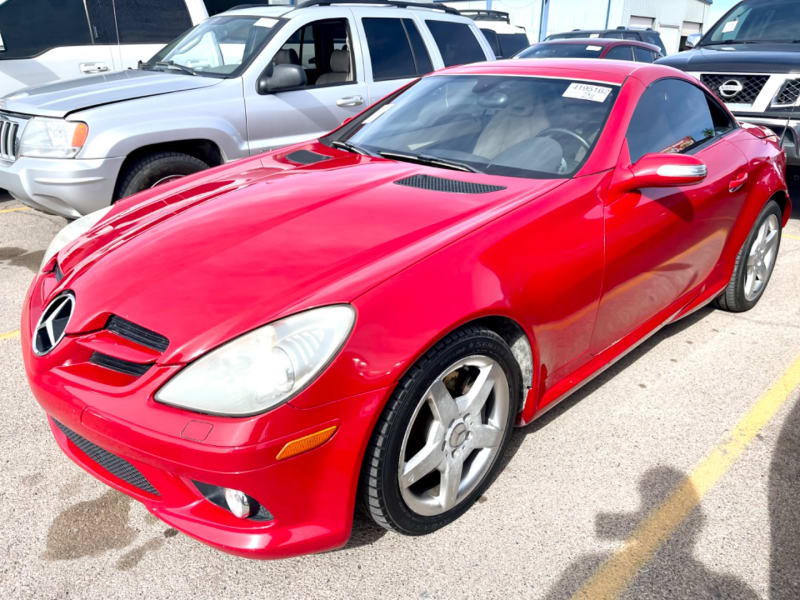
{"points": [[755, 262], [155, 169], [438, 442]]}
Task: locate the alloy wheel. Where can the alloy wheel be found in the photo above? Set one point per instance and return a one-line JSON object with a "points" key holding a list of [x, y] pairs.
{"points": [[761, 258]]}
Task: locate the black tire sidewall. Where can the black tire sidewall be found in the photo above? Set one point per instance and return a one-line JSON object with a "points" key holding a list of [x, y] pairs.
{"points": [[144, 173], [736, 296], [485, 343]]}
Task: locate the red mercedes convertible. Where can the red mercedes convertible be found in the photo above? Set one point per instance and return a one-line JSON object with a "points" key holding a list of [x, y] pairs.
{"points": [[256, 350]]}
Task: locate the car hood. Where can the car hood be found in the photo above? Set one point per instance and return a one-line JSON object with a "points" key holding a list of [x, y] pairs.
{"points": [[206, 261], [746, 58], [64, 97]]}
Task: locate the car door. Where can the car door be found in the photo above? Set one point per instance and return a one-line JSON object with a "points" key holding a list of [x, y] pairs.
{"points": [[331, 56], [663, 243], [394, 51]]}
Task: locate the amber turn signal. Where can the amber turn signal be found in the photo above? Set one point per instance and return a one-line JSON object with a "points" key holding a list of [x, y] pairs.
{"points": [[306, 443]]}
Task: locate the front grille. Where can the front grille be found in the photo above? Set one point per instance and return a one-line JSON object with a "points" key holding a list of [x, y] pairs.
{"points": [[119, 467], [751, 86], [454, 186], [9, 136], [119, 365], [789, 94], [137, 333]]}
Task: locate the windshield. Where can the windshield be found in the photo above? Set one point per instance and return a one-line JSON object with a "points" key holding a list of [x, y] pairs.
{"points": [[217, 47], [562, 51], [504, 125], [758, 21]]}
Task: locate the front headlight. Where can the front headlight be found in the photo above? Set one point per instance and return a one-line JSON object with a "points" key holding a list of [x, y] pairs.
{"points": [[72, 232], [53, 138], [262, 368]]}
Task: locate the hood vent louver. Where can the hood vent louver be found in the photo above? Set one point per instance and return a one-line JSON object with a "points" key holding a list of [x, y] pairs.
{"points": [[119, 365], [137, 333], [306, 157], [452, 186]]}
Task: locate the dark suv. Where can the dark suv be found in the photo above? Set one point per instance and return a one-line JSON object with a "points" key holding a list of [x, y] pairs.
{"points": [[620, 33], [751, 60]]}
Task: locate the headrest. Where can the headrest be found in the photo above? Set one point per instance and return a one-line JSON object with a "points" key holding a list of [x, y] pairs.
{"points": [[286, 57], [340, 61]]}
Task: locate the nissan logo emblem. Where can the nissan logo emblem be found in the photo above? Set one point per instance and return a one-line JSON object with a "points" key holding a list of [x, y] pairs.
{"points": [[731, 88], [53, 323]]}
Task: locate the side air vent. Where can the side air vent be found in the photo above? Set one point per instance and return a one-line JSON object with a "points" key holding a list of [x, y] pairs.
{"points": [[119, 365], [306, 157], [119, 467], [453, 186], [137, 333], [58, 272]]}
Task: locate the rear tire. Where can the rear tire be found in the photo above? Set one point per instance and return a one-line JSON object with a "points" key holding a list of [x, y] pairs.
{"points": [[449, 420], [755, 262], [154, 169]]}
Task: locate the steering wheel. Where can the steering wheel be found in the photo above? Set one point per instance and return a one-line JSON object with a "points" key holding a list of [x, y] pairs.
{"points": [[567, 132]]}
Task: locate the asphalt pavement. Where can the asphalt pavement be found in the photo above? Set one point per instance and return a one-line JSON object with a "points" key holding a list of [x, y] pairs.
{"points": [[675, 474]]}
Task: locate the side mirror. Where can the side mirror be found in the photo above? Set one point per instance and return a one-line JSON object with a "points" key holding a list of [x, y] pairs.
{"points": [[661, 171], [692, 40], [281, 77]]}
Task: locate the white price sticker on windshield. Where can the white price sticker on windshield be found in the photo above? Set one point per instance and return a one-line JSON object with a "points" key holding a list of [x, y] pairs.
{"points": [[594, 48], [265, 22], [730, 26], [584, 91]]}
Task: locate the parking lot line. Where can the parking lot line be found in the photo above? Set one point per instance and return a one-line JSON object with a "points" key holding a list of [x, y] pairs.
{"points": [[9, 335], [614, 576], [791, 237], [16, 208]]}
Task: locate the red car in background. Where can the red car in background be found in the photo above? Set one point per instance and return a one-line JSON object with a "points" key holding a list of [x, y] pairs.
{"points": [[254, 350], [593, 48]]}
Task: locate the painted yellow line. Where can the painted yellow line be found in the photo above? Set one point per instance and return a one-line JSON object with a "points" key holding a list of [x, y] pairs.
{"points": [[614, 576], [791, 237], [10, 335], [16, 208]]}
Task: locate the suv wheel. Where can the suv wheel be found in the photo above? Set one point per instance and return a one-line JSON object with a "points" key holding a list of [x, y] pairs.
{"points": [[155, 169]]}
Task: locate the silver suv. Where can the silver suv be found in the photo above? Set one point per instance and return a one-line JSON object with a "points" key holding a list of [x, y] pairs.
{"points": [[240, 83]]}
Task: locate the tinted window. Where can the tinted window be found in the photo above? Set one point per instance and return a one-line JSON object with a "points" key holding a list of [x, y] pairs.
{"points": [[217, 6], [511, 43], [643, 54], [672, 116], [614, 35], [651, 37], [620, 53], [31, 27], [101, 18], [491, 37], [457, 44], [390, 49], [562, 50], [151, 21]]}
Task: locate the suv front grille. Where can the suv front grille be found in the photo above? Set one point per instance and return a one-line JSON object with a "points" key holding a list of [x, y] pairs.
{"points": [[751, 86], [119, 467], [789, 94], [10, 129]]}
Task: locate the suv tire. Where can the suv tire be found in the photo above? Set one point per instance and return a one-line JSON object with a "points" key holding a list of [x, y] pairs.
{"points": [[154, 169]]}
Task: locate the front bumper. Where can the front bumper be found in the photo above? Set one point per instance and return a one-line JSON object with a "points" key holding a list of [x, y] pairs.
{"points": [[787, 130], [66, 187]]}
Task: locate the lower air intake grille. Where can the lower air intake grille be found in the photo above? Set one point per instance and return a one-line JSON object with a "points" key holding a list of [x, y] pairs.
{"points": [[118, 364], [119, 467], [751, 86], [137, 333], [454, 186], [306, 157]]}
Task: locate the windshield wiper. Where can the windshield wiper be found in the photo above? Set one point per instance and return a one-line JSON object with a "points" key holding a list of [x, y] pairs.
{"points": [[350, 147], [732, 43], [433, 161], [172, 64]]}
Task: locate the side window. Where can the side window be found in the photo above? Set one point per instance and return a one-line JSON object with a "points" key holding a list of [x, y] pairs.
{"points": [[672, 116], [491, 37], [619, 53], [31, 27], [101, 20], [322, 48], [457, 44], [151, 21], [396, 50], [615, 35], [720, 117], [643, 54], [217, 6]]}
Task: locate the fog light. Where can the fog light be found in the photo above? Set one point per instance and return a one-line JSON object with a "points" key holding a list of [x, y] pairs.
{"points": [[238, 503]]}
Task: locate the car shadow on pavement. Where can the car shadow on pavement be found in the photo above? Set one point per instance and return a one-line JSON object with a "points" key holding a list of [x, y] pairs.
{"points": [[784, 511], [673, 572]]}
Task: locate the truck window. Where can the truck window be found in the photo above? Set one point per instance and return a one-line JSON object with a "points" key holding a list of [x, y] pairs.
{"points": [[457, 44], [57, 23], [390, 50], [322, 48], [151, 21]]}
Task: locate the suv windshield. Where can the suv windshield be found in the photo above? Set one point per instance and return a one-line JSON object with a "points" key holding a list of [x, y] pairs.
{"points": [[547, 50], [503, 125], [757, 21], [218, 47]]}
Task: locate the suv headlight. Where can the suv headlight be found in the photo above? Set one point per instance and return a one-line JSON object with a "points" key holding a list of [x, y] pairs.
{"points": [[53, 138], [263, 368], [72, 232]]}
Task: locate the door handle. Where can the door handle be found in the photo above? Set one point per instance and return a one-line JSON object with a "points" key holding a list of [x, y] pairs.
{"points": [[350, 101], [93, 67], [737, 182]]}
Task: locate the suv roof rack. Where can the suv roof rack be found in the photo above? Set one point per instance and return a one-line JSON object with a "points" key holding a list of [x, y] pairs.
{"points": [[258, 5], [488, 15], [395, 3]]}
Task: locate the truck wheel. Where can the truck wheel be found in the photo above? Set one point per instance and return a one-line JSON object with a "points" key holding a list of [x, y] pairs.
{"points": [[155, 169]]}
